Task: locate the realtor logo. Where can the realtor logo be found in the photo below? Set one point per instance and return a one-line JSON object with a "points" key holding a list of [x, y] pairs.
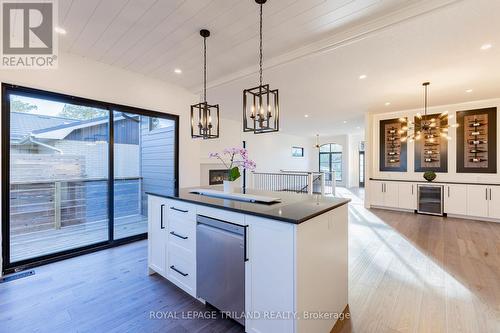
{"points": [[28, 38]]}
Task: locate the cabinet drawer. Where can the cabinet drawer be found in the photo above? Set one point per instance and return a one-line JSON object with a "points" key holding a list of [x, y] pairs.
{"points": [[181, 269], [180, 208], [182, 232]]}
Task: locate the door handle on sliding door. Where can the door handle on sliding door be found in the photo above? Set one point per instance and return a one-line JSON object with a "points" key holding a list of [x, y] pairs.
{"points": [[161, 217]]}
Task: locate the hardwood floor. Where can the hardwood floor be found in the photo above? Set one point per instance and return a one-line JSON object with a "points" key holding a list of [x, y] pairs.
{"points": [[418, 273], [408, 273], [106, 291]]}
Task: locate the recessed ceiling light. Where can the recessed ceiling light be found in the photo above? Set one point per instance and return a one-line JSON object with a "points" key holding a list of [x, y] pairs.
{"points": [[468, 91], [363, 76], [177, 71], [306, 116], [345, 121], [387, 103], [487, 46], [60, 30]]}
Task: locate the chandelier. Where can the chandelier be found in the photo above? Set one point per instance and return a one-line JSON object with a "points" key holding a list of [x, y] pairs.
{"points": [[260, 104], [205, 117], [428, 127]]}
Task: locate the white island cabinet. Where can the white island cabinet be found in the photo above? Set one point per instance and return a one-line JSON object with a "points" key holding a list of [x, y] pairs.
{"points": [[293, 270]]}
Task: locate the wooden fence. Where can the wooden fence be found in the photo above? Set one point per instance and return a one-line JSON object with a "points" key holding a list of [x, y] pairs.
{"points": [[36, 206]]}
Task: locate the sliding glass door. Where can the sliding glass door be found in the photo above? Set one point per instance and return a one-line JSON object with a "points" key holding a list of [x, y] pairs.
{"points": [[72, 182], [144, 155]]}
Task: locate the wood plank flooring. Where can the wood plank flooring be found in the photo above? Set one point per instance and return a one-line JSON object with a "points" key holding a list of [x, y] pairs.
{"points": [[419, 273], [408, 273]]}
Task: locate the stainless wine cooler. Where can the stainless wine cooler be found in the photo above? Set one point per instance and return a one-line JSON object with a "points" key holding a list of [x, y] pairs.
{"points": [[430, 199]]}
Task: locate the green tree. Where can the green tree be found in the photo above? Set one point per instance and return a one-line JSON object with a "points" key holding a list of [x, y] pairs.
{"points": [[20, 106], [82, 112]]}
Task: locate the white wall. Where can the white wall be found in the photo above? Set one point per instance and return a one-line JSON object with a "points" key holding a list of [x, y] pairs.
{"points": [[81, 77], [373, 123], [353, 145], [272, 151]]}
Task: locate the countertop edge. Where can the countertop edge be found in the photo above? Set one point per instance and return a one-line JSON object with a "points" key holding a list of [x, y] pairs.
{"points": [[433, 182], [282, 219]]}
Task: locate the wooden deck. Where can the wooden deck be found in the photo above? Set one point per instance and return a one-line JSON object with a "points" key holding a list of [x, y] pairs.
{"points": [[34, 244]]}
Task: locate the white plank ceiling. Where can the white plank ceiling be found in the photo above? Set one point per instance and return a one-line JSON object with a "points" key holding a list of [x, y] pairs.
{"points": [[153, 37]]}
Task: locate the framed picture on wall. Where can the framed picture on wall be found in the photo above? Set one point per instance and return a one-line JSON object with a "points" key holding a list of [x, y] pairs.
{"points": [[431, 151], [392, 149], [477, 141], [297, 151]]}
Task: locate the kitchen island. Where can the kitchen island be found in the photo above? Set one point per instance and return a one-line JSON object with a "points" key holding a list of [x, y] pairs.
{"points": [[294, 261]]}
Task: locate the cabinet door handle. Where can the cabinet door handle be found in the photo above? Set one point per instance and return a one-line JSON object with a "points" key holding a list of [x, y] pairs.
{"points": [[411, 189], [486, 190], [161, 217], [245, 245], [382, 184], [179, 210], [490, 194], [178, 271], [448, 191], [177, 235]]}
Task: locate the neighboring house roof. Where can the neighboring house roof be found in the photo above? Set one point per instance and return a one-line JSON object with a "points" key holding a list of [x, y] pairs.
{"points": [[61, 131], [48, 127], [22, 124]]}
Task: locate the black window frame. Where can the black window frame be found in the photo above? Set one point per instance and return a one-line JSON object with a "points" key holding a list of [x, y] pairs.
{"points": [[330, 154], [7, 89]]}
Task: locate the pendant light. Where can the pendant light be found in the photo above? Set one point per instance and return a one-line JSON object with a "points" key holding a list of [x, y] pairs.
{"points": [[427, 127], [260, 104], [317, 145], [205, 117]]}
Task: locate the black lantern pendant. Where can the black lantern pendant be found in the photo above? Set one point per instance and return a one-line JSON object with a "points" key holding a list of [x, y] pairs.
{"points": [[260, 104], [205, 117]]}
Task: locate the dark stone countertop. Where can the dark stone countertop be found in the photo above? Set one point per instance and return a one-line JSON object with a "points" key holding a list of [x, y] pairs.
{"points": [[293, 208]]}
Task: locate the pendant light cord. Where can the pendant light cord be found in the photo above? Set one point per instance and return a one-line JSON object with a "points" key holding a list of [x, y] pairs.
{"points": [[205, 69], [425, 101], [260, 47]]}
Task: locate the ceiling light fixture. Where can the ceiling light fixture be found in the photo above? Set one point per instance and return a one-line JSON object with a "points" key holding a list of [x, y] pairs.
{"points": [[178, 71], [427, 126], [203, 115], [260, 104], [468, 91], [387, 103], [317, 145], [363, 76], [487, 46], [345, 121], [60, 30], [306, 116]]}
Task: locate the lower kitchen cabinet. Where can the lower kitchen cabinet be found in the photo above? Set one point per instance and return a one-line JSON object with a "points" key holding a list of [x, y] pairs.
{"points": [[157, 235], [467, 200], [494, 204], [384, 194], [270, 265], [477, 200], [407, 196], [455, 199], [377, 193]]}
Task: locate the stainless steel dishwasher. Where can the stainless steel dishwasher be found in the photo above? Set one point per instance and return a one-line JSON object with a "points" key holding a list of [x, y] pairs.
{"points": [[220, 265]]}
